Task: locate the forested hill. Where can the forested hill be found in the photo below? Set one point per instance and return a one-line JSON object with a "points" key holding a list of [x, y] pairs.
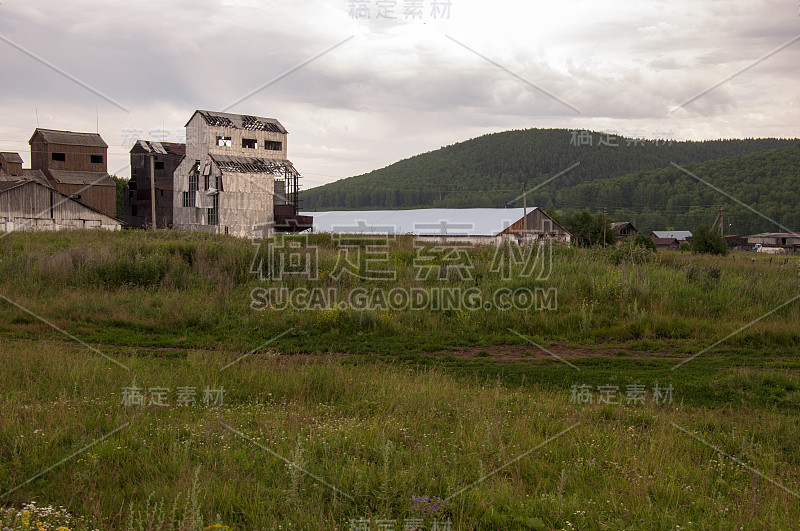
{"points": [[671, 198], [490, 170]]}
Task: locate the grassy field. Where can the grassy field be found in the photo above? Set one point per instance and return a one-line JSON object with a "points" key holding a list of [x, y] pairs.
{"points": [[340, 418]]}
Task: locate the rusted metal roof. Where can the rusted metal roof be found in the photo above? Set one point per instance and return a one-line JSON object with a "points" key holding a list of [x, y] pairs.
{"points": [[94, 178], [241, 121], [70, 138], [231, 164], [11, 157]]}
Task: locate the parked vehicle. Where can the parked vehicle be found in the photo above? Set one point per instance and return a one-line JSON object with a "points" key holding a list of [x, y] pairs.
{"points": [[769, 250]]}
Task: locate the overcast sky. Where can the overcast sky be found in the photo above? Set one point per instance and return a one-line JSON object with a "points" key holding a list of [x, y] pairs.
{"points": [[431, 76]]}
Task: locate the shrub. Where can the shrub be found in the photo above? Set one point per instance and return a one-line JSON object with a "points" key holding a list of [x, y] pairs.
{"points": [[707, 242]]}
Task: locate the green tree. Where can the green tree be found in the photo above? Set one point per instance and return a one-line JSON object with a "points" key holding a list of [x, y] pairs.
{"points": [[705, 241], [588, 229], [121, 184], [643, 240]]}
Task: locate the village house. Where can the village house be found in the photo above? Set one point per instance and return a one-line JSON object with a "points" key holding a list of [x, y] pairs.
{"points": [[670, 239], [624, 229], [679, 235], [156, 161], [228, 179], [75, 165]]}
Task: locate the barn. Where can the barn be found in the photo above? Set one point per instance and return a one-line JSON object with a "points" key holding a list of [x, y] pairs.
{"points": [[481, 226], [32, 205]]}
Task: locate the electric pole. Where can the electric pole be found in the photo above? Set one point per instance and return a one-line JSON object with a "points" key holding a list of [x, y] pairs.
{"points": [[153, 188], [524, 213], [604, 228]]}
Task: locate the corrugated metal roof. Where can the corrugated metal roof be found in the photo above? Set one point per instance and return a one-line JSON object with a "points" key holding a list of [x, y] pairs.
{"points": [[422, 222], [11, 157], [240, 121], [94, 178], [677, 234], [69, 138]]}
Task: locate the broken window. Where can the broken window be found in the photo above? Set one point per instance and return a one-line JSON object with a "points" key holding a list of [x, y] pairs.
{"points": [[273, 145], [97, 159], [224, 141], [190, 196], [249, 143], [159, 165], [59, 157], [213, 212]]}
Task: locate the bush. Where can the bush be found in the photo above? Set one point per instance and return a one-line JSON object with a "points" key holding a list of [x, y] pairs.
{"points": [[642, 240], [707, 242]]}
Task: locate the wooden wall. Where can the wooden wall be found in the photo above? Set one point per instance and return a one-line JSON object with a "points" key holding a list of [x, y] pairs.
{"points": [[34, 206]]}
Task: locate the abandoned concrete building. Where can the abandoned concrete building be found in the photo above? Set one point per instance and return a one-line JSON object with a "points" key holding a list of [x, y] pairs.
{"points": [[156, 160], [75, 165], [235, 178], [28, 202]]}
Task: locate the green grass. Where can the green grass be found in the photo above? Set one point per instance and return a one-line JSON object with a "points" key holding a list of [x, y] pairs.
{"points": [[382, 432], [384, 405]]}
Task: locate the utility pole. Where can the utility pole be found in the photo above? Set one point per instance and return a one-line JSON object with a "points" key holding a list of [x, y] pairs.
{"points": [[604, 228], [153, 188], [720, 220], [524, 213]]}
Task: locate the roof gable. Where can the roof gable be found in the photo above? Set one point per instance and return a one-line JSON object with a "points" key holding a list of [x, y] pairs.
{"points": [[11, 157], [677, 234], [160, 148], [69, 138], [240, 121]]}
